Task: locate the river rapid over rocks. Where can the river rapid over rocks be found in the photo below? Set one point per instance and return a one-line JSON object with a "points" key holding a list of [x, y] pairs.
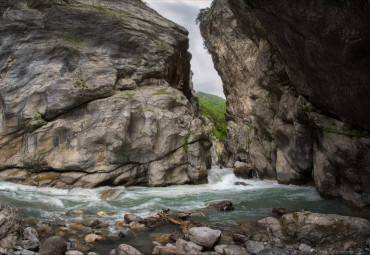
{"points": [[76, 214]]}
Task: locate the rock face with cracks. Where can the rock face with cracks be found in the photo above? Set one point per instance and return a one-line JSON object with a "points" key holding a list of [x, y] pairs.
{"points": [[10, 226], [97, 93], [296, 79]]}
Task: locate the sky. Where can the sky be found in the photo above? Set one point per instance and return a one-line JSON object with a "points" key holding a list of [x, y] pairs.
{"points": [[184, 13]]}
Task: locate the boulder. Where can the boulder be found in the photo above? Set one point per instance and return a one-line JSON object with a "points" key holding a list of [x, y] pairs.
{"points": [[162, 250], [10, 226], [223, 206], [176, 234], [125, 249], [190, 246], [80, 247], [54, 245], [241, 169], [220, 248], [304, 248], [91, 222], [31, 241], [204, 236], [180, 243], [132, 217], [254, 247], [235, 250], [317, 229]]}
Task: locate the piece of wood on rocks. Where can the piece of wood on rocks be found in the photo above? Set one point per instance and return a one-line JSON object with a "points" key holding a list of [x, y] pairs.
{"points": [[169, 219]]}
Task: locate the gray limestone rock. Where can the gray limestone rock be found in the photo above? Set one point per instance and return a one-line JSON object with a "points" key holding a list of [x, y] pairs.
{"points": [[241, 169], [204, 236], [235, 250], [190, 246], [162, 250], [10, 226], [97, 96], [294, 115], [304, 248], [254, 247], [125, 249]]}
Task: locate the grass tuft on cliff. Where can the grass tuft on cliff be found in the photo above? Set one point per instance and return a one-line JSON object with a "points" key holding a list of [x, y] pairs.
{"points": [[214, 108]]}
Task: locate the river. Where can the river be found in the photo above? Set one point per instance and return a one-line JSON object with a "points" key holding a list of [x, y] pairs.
{"points": [[251, 202]]}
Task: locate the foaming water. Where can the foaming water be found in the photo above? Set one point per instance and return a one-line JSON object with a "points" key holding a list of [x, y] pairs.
{"points": [[252, 202]]}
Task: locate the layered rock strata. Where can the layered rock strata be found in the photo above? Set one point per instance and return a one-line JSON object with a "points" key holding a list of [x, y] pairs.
{"points": [[97, 93], [296, 78]]}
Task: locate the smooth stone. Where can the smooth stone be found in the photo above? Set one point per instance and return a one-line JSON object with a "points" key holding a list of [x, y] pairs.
{"points": [[304, 247], [54, 245], [180, 243], [204, 236], [132, 217], [73, 252], [235, 250], [254, 247], [190, 246]]}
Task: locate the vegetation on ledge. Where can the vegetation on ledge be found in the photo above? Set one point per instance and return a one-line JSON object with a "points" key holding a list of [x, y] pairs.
{"points": [[214, 108]]}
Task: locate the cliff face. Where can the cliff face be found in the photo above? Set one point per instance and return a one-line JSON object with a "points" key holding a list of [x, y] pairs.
{"points": [[97, 93], [296, 79]]}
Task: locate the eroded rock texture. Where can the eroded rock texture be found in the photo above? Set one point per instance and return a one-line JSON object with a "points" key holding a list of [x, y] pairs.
{"points": [[296, 80], [96, 93], [10, 226]]}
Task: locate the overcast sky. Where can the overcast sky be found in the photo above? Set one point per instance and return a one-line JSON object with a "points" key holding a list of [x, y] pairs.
{"points": [[184, 12]]}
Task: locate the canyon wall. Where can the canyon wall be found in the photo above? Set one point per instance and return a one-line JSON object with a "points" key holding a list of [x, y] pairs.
{"points": [[296, 79], [97, 93]]}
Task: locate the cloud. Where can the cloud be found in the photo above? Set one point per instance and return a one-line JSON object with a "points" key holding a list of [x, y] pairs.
{"points": [[184, 13]]}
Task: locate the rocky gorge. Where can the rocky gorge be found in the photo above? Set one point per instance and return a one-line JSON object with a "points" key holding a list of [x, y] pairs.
{"points": [[296, 80], [100, 128]]}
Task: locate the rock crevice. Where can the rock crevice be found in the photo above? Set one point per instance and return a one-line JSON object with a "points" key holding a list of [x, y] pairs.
{"points": [[295, 84]]}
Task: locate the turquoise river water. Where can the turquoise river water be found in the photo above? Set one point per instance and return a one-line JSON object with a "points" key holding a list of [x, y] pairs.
{"points": [[251, 202]]}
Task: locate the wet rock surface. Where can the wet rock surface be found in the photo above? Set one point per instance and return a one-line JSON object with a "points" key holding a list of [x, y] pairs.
{"points": [[289, 117], [99, 94], [53, 246], [300, 232], [10, 226]]}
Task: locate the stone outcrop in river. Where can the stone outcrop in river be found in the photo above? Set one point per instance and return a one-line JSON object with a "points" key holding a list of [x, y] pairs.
{"points": [[97, 93], [296, 78]]}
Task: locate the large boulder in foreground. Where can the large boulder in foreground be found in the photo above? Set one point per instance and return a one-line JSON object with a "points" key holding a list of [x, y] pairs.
{"points": [[10, 226], [317, 229], [100, 94]]}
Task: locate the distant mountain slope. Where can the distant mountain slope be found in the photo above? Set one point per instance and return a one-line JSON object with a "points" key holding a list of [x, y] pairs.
{"points": [[214, 108]]}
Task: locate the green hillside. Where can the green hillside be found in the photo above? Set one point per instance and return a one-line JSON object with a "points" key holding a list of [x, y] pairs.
{"points": [[214, 108]]}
